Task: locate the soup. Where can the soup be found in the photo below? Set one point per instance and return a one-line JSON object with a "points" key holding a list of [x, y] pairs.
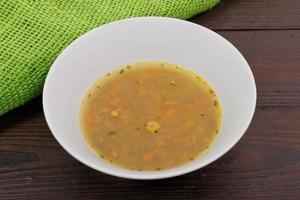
{"points": [[150, 116]]}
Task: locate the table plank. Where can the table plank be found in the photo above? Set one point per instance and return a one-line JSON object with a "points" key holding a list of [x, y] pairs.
{"points": [[252, 14], [265, 164]]}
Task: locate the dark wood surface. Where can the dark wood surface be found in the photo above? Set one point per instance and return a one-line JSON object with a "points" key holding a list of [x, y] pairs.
{"points": [[265, 164]]}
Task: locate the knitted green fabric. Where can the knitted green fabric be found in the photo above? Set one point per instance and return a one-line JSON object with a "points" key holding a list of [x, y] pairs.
{"points": [[34, 32]]}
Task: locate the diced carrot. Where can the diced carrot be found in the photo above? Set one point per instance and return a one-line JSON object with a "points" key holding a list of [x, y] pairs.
{"points": [[114, 153], [188, 123], [115, 101], [149, 157], [184, 155], [115, 89], [170, 112], [89, 119], [104, 110], [141, 93], [203, 102], [171, 102], [153, 70]]}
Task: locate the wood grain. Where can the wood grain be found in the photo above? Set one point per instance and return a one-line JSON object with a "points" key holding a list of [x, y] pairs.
{"points": [[252, 14], [265, 164]]}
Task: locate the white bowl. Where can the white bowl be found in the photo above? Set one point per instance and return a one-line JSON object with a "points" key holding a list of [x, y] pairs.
{"points": [[148, 38]]}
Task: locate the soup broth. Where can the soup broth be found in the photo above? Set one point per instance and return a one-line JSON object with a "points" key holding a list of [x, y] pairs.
{"points": [[150, 116]]}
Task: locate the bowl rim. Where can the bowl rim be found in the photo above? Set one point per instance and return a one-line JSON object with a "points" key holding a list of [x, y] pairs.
{"points": [[146, 175]]}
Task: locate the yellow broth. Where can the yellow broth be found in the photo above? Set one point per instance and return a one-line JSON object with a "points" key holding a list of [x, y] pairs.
{"points": [[150, 116]]}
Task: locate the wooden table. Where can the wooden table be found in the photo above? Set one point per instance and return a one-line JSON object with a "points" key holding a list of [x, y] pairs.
{"points": [[265, 164]]}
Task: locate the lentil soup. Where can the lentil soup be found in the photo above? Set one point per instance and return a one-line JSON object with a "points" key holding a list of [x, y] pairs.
{"points": [[150, 116]]}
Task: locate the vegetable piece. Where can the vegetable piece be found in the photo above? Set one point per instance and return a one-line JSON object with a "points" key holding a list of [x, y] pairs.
{"points": [[189, 123], [171, 102], [115, 89], [149, 157], [115, 113], [173, 83], [152, 126], [89, 118], [115, 101], [153, 70], [141, 93], [114, 153], [169, 112]]}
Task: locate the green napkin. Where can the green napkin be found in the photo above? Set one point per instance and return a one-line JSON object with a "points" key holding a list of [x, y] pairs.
{"points": [[34, 32]]}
